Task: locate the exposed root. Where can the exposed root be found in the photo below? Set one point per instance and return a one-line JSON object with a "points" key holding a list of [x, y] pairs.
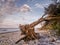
{"points": [[28, 38]]}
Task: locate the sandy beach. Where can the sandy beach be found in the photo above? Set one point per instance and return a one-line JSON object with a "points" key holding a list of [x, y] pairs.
{"points": [[12, 37]]}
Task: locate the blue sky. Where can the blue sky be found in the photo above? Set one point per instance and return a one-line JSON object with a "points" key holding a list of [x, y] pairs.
{"points": [[14, 12]]}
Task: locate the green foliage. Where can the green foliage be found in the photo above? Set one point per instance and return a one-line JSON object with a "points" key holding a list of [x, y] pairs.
{"points": [[54, 9], [56, 27]]}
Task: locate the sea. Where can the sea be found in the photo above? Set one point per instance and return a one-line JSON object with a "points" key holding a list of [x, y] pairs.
{"points": [[6, 30]]}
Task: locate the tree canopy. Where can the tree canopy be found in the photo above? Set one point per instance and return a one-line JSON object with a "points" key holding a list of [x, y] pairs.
{"points": [[53, 10]]}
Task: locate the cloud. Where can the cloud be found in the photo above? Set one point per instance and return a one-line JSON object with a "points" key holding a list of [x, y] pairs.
{"points": [[16, 20], [25, 8], [38, 5], [9, 7]]}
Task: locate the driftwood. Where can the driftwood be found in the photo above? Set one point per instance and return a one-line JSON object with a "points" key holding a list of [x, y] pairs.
{"points": [[28, 29], [29, 32], [23, 36]]}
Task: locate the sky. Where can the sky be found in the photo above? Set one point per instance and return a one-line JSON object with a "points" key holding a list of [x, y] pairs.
{"points": [[15, 12]]}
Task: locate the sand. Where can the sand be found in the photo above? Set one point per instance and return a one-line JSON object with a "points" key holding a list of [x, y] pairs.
{"points": [[12, 37]]}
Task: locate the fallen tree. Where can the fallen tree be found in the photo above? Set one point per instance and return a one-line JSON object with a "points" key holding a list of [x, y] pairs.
{"points": [[52, 21], [28, 29]]}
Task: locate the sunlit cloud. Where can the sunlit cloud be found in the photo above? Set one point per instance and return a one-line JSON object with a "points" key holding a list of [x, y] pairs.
{"points": [[25, 8], [9, 7]]}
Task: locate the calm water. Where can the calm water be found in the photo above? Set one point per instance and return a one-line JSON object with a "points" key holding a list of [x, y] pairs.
{"points": [[4, 30]]}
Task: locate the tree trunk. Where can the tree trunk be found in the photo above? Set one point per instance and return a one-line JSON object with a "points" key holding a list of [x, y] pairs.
{"points": [[28, 29]]}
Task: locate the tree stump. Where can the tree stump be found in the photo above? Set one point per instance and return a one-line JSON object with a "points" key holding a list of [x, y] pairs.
{"points": [[29, 32]]}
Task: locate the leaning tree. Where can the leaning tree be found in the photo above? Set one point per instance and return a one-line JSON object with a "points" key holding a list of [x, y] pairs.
{"points": [[52, 22], [53, 10]]}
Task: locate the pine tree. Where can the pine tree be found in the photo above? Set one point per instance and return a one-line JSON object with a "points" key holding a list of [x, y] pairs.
{"points": [[53, 10]]}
